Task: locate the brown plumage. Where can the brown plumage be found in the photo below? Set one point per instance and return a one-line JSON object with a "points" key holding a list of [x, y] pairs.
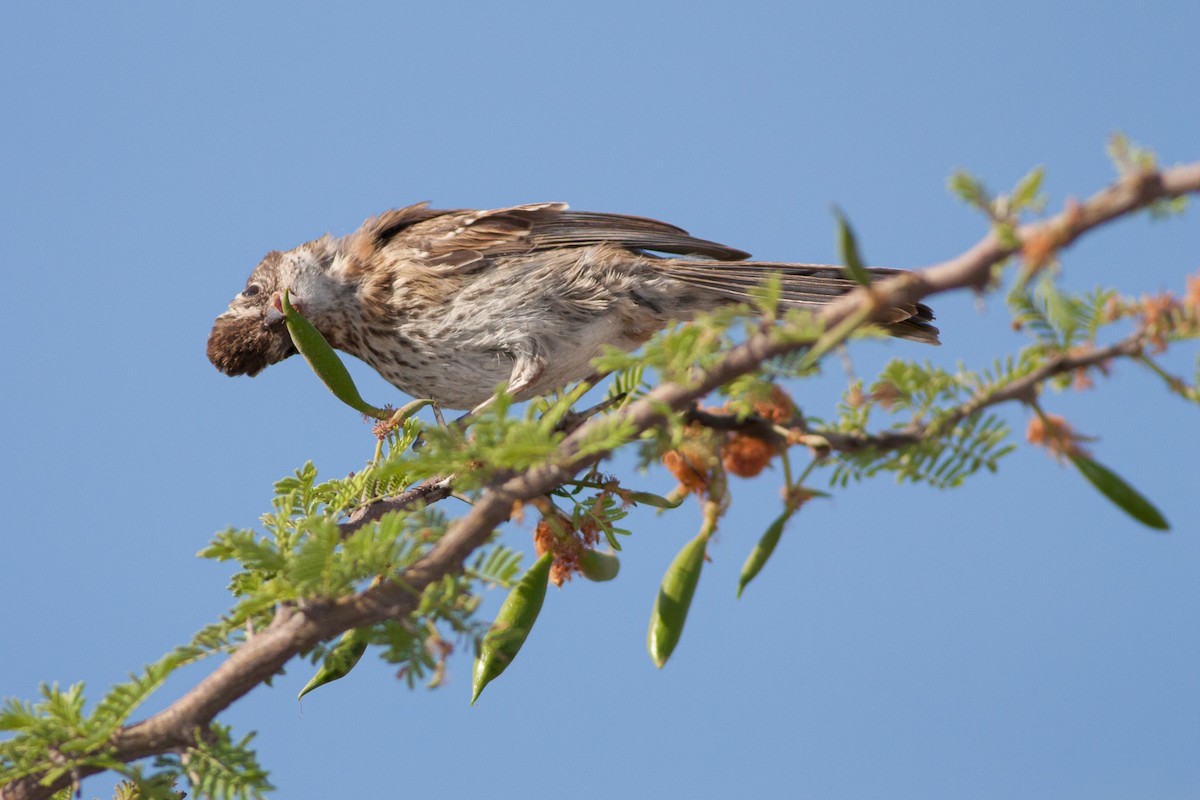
{"points": [[449, 304]]}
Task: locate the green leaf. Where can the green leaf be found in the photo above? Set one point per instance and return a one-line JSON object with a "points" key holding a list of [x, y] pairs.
{"points": [[1027, 194], [674, 600], [324, 362], [1114, 487], [762, 551], [848, 246], [513, 623], [969, 189], [653, 500]]}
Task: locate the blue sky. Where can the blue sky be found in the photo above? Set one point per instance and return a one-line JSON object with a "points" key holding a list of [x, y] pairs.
{"points": [[1016, 638]]}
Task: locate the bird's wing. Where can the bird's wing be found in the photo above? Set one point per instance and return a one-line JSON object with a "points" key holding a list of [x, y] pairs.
{"points": [[582, 228], [457, 238]]}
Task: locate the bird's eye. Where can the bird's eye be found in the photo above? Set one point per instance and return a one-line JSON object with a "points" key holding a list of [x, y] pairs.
{"points": [[251, 290]]}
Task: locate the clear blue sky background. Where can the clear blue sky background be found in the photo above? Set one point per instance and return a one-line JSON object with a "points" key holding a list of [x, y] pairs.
{"points": [[1019, 637]]}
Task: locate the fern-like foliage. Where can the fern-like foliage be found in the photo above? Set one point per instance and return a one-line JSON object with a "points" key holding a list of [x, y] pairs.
{"points": [[927, 398], [977, 442], [218, 767], [496, 565], [1059, 321]]}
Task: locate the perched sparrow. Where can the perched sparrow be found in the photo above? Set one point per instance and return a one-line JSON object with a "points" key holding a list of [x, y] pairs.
{"points": [[447, 305]]}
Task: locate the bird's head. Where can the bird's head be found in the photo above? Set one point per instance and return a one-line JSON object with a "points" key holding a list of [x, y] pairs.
{"points": [[251, 335]]}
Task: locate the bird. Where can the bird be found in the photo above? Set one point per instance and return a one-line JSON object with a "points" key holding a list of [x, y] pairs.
{"points": [[448, 305]]}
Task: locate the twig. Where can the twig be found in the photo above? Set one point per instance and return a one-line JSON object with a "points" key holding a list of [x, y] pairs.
{"points": [[1023, 389], [430, 491]]}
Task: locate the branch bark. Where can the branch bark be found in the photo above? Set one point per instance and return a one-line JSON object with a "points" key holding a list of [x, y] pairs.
{"points": [[297, 630]]}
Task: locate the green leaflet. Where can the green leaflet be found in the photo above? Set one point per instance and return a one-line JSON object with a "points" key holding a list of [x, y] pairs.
{"points": [[674, 599], [1124, 496], [655, 500], [848, 247], [520, 610]]}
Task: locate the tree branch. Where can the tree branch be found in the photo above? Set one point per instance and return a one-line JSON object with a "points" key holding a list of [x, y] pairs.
{"points": [[297, 630], [1024, 390]]}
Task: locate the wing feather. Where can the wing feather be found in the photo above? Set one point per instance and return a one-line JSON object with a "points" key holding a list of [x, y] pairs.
{"points": [[529, 228]]}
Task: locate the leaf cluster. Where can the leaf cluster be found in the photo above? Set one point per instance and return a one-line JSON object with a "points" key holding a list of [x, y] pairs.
{"points": [[219, 767], [304, 555], [59, 731], [930, 396]]}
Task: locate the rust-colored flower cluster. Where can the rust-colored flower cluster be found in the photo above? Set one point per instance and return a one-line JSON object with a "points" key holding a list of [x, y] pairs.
{"points": [[699, 463], [1164, 315], [1191, 296], [384, 427], [1056, 435], [1161, 316], [558, 534], [744, 454], [884, 393], [695, 463], [796, 496]]}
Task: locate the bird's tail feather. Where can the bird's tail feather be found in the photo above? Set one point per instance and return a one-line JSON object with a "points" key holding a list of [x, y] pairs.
{"points": [[800, 285]]}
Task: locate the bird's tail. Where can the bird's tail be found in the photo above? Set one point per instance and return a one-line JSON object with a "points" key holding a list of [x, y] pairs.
{"points": [[800, 286]]}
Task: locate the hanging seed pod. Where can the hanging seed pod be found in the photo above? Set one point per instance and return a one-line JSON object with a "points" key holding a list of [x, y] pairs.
{"points": [[674, 599], [341, 659], [1124, 496], [762, 551], [512, 625], [599, 567]]}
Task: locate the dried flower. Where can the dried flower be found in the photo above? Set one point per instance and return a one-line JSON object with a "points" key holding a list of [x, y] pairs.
{"points": [[777, 407], [745, 455], [797, 496], [855, 396], [1056, 435], [692, 464], [1191, 297], [1158, 318], [885, 394], [557, 534]]}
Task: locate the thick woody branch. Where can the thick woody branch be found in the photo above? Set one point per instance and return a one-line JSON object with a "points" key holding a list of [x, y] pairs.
{"points": [[297, 630]]}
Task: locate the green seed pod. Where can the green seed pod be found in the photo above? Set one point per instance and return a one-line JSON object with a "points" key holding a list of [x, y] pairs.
{"points": [[324, 362], [599, 567], [341, 659], [762, 551], [520, 610], [674, 599], [1114, 487]]}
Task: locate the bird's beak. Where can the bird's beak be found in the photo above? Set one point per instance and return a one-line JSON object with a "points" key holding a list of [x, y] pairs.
{"points": [[274, 314], [243, 345]]}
